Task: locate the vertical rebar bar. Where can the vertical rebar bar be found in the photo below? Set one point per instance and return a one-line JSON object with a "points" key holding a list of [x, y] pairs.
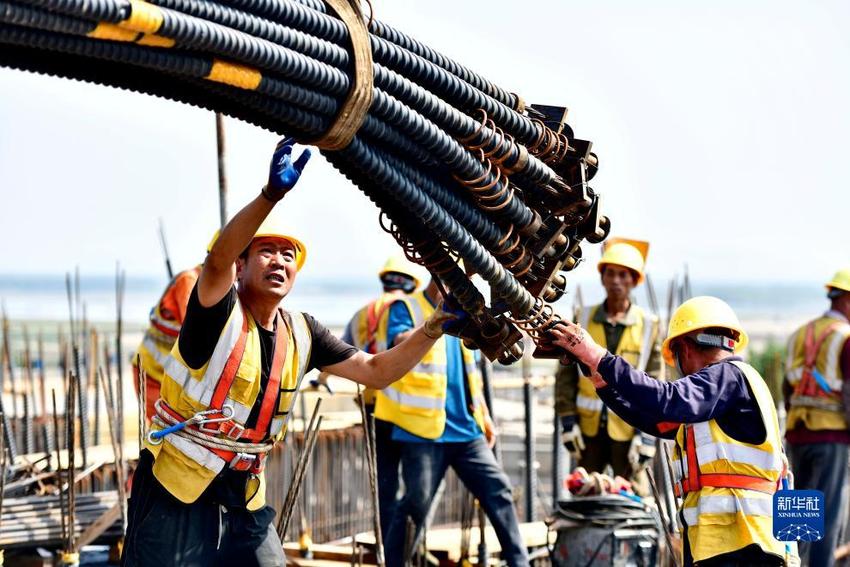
{"points": [[372, 466], [8, 431], [73, 335], [28, 398], [530, 473], [222, 175], [70, 418], [57, 441], [92, 383], [120, 278], [116, 445]]}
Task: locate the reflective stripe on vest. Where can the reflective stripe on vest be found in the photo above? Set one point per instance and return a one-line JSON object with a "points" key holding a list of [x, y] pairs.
{"points": [[719, 475], [417, 401], [813, 369], [423, 402], [728, 505], [233, 375], [591, 404], [156, 349]]}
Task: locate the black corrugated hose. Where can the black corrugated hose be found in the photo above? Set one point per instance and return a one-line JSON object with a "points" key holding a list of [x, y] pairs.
{"points": [[456, 163]]}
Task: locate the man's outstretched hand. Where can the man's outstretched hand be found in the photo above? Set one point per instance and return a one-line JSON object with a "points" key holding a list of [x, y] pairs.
{"points": [[283, 172], [578, 342]]}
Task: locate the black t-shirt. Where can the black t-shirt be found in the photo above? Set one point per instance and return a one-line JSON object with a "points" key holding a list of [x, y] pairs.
{"points": [[198, 336]]}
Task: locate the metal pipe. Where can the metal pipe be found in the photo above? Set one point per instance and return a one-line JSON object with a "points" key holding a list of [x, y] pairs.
{"points": [[530, 473], [222, 175]]}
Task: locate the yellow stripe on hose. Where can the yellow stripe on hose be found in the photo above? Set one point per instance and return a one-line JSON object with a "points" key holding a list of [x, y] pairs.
{"points": [[112, 32], [115, 33], [144, 17], [234, 74], [156, 41]]}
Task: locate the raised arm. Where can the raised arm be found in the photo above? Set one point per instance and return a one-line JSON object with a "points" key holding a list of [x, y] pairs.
{"points": [[219, 271]]}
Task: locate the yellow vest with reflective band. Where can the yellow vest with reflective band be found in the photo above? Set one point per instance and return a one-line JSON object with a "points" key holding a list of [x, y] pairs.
{"points": [[368, 329], [815, 408], [417, 402], [161, 333], [635, 347], [707, 461], [185, 468]]}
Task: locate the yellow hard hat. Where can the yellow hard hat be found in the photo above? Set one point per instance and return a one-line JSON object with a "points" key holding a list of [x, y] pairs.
{"points": [[701, 313], [274, 228], [841, 280], [212, 240], [400, 265], [625, 252]]}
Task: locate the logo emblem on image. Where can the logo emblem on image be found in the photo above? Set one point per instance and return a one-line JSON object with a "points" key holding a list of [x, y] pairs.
{"points": [[798, 515]]}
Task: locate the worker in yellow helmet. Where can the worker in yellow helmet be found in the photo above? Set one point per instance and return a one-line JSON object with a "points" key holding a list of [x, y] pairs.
{"points": [[198, 494], [728, 459], [594, 437], [166, 318], [816, 388], [440, 420], [367, 330]]}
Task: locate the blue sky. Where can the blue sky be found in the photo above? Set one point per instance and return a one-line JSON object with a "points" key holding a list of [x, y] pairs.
{"points": [[721, 129]]}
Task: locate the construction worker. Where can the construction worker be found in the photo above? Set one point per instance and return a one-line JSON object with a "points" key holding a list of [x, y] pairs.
{"points": [[367, 331], [441, 421], [198, 495], [166, 318], [816, 391], [594, 437], [728, 460]]}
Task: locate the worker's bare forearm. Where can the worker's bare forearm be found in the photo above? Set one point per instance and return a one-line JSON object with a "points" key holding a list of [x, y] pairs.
{"points": [[380, 370], [219, 271]]}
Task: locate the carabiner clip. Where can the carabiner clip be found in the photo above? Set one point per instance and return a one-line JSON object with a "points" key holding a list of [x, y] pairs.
{"points": [[227, 412]]}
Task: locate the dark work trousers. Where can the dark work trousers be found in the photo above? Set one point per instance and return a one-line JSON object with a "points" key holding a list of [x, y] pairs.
{"points": [[750, 556], [601, 450], [162, 531], [388, 456], [423, 466], [822, 466]]}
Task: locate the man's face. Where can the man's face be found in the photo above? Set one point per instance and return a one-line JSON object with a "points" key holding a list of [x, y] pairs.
{"points": [[270, 267], [617, 281]]}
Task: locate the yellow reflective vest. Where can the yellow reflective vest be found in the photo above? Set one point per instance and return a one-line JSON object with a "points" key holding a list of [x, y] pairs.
{"points": [[727, 484], [166, 318], [815, 350], [368, 328], [186, 468], [635, 347], [417, 402]]}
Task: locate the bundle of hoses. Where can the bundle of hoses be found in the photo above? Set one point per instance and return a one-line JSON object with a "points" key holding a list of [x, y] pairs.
{"points": [[459, 168]]}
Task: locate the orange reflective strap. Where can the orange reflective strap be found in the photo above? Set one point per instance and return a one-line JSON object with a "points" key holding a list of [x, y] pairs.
{"points": [[721, 480], [693, 480], [808, 386], [373, 319], [234, 360], [269, 405], [667, 426]]}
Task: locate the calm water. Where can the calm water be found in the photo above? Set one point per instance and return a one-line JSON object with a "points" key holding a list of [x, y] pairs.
{"points": [[333, 301]]}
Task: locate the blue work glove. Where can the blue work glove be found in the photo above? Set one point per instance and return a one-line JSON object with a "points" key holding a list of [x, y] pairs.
{"points": [[459, 317], [316, 383], [567, 422], [283, 172]]}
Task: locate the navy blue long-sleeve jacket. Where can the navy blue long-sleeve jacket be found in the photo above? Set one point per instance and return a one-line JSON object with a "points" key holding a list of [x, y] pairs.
{"points": [[719, 391]]}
